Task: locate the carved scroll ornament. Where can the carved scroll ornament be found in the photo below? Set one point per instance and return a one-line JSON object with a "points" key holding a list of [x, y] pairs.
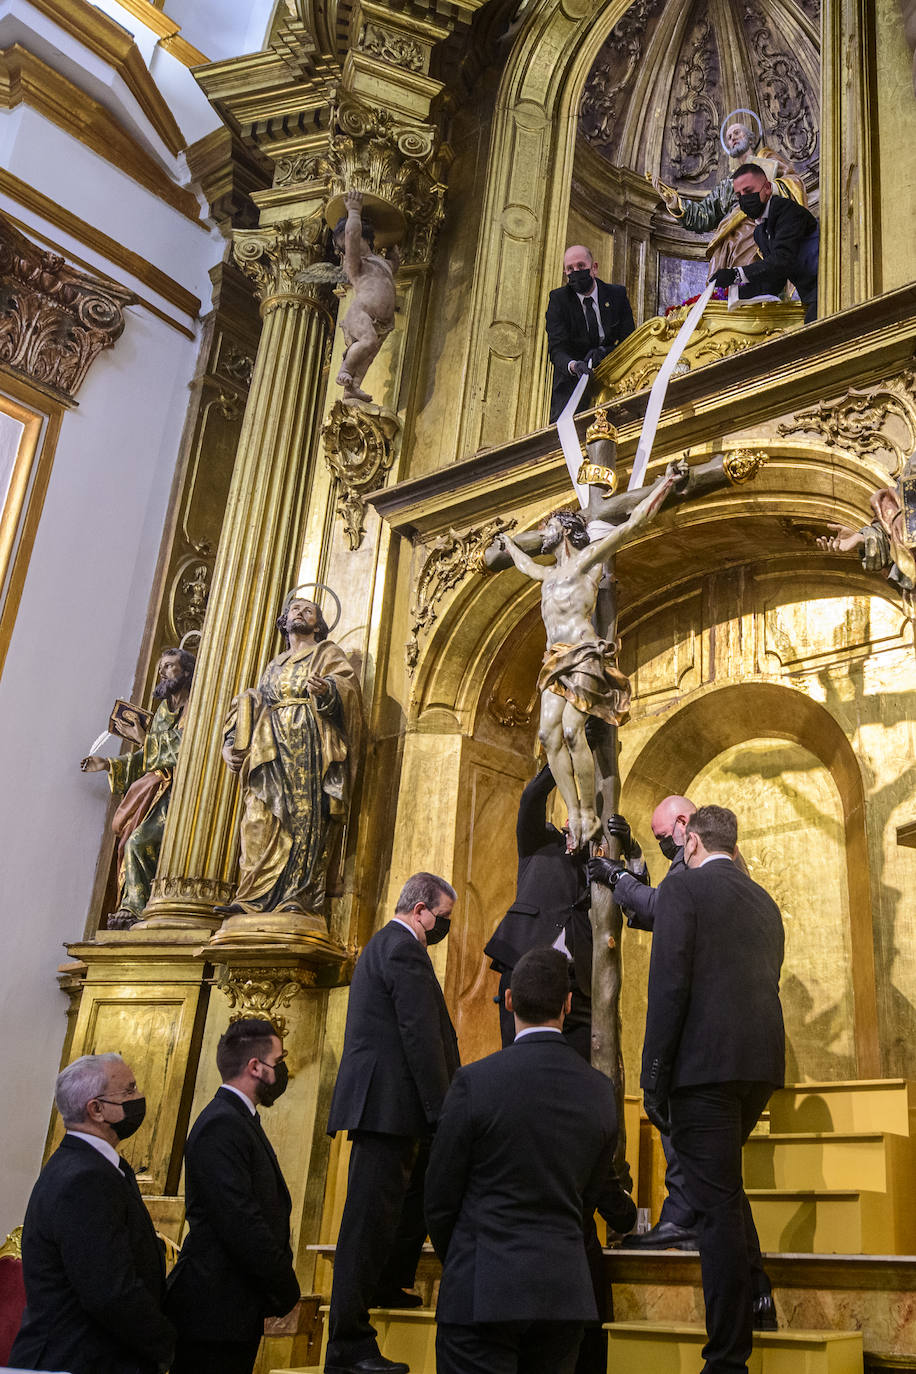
{"points": [[695, 116], [880, 420], [262, 992], [359, 449], [452, 558], [54, 320]]}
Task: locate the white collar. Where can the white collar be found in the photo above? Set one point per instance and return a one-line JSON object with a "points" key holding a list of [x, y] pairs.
{"points": [[530, 1030], [105, 1150], [238, 1092], [710, 857], [406, 927]]}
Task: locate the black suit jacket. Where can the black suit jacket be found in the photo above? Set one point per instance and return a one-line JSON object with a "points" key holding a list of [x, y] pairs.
{"points": [[781, 238], [524, 1147], [714, 1014], [94, 1272], [400, 1049], [548, 886], [567, 333], [236, 1264]]}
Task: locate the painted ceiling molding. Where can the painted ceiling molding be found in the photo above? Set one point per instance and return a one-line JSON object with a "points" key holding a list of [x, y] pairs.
{"points": [[758, 54]]}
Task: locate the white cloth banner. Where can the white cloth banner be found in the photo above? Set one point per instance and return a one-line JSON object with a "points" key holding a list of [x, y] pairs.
{"points": [[569, 439], [660, 388]]}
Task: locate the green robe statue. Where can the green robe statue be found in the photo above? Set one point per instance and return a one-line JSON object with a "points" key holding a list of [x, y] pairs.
{"points": [[144, 779]]}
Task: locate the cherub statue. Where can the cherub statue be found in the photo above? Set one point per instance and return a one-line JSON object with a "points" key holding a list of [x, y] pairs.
{"points": [[371, 314], [579, 676]]}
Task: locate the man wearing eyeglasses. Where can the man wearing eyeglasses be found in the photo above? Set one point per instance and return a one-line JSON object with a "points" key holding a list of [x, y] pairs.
{"points": [[399, 1056], [236, 1265], [93, 1267]]}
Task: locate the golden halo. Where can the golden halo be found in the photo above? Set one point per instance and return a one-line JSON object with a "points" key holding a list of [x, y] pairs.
{"points": [[325, 588]]}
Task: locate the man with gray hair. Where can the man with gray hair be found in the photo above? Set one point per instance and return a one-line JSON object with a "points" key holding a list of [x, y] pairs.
{"points": [[93, 1268], [399, 1055]]}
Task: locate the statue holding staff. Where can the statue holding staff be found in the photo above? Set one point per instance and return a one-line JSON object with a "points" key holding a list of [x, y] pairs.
{"points": [[294, 741]]}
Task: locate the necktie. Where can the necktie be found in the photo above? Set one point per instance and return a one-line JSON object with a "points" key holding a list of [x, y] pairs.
{"points": [[591, 321]]}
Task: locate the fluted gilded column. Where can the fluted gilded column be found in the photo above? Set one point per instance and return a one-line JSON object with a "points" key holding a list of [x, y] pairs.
{"points": [[256, 563]]}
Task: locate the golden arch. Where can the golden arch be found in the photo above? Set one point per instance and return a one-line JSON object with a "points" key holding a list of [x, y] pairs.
{"points": [[718, 718]]}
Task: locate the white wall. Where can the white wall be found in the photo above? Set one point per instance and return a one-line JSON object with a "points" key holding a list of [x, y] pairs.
{"points": [[78, 632]]}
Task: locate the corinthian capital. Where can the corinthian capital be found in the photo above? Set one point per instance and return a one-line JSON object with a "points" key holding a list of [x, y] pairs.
{"points": [[285, 261], [54, 320]]}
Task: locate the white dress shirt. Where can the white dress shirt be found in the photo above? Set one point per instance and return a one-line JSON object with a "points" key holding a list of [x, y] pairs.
{"points": [[238, 1092], [105, 1150]]}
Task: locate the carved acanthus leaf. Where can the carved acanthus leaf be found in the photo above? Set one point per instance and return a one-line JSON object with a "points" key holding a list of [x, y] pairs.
{"points": [[262, 991], [694, 116], [283, 260], [451, 559], [359, 446], [54, 320], [781, 82], [395, 48], [398, 162], [875, 421]]}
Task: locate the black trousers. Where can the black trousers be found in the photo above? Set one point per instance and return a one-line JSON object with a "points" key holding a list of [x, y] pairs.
{"points": [[709, 1125], [507, 1347], [382, 1231], [215, 1357]]}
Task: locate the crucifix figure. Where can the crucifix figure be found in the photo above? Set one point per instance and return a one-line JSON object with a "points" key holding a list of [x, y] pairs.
{"points": [[579, 676], [578, 600]]}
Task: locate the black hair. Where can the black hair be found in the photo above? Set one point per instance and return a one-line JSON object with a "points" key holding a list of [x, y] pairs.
{"points": [[717, 828], [188, 661], [574, 525], [247, 1038], [749, 167], [540, 985]]}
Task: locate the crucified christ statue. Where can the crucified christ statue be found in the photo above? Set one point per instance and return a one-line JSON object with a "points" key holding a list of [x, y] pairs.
{"points": [[579, 676]]}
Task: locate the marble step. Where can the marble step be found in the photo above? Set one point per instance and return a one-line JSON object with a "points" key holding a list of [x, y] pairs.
{"points": [[875, 1161], [832, 1221], [673, 1348], [880, 1104]]}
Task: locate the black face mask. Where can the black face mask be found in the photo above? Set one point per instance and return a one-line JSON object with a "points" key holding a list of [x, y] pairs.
{"points": [[581, 280], [439, 931], [669, 847], [134, 1111], [751, 204], [267, 1093]]}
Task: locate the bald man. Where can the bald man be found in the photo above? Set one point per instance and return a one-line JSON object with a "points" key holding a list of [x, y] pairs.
{"points": [[677, 1222], [586, 319]]}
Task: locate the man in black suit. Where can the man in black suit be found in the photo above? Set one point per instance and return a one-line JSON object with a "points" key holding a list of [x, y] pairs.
{"points": [[236, 1264], [551, 905], [788, 237], [714, 1053], [400, 1052], [93, 1267], [523, 1150], [586, 319]]}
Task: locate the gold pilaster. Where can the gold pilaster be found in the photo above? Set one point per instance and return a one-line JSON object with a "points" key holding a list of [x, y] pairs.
{"points": [[255, 565]]}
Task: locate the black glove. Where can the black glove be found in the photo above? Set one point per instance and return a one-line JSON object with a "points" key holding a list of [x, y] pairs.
{"points": [[726, 276], [618, 826], [655, 1102], [596, 356], [580, 368], [605, 871]]}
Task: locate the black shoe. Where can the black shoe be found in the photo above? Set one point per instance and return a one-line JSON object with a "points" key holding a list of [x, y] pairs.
{"points": [[665, 1235], [765, 1313], [396, 1298], [372, 1364]]}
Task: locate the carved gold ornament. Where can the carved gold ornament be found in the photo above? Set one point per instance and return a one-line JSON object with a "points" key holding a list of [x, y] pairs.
{"points": [[601, 428], [452, 558], [54, 320], [262, 991], [881, 419], [359, 448], [743, 464]]}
